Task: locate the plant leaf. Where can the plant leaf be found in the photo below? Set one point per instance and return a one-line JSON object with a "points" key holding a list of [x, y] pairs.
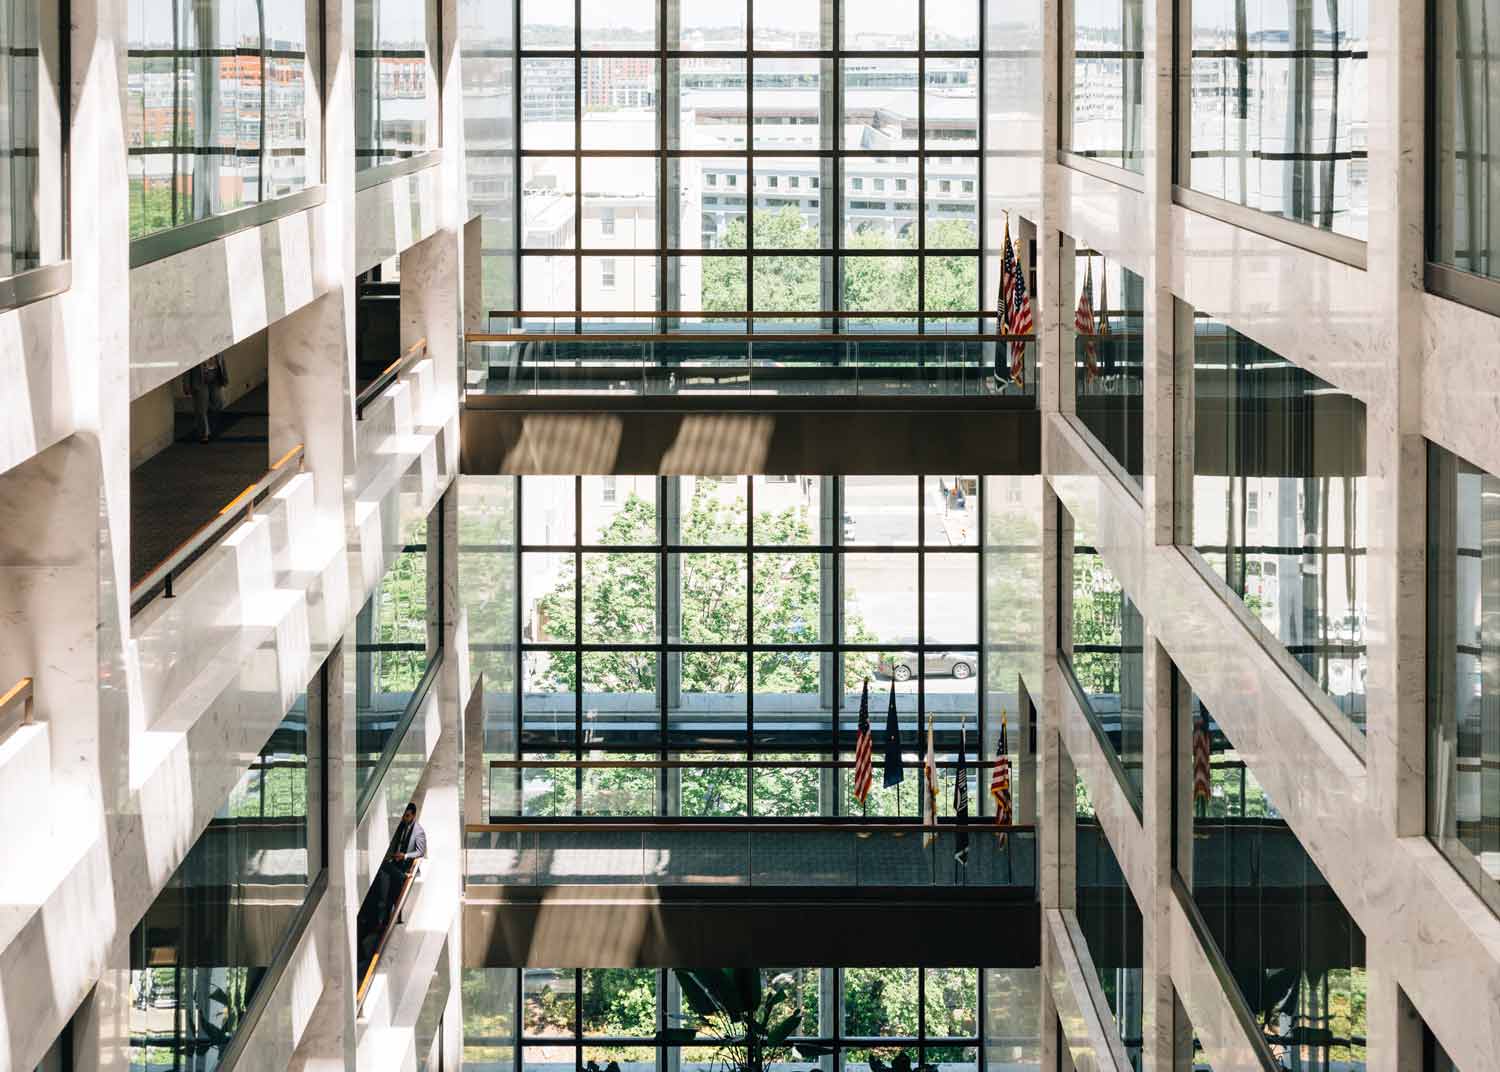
{"points": [[747, 984], [698, 991], [784, 1030]]}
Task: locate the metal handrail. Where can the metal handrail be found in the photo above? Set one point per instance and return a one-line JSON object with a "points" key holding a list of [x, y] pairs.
{"points": [[715, 764], [385, 936], [750, 318], [387, 377], [16, 707], [239, 508], [737, 314]]}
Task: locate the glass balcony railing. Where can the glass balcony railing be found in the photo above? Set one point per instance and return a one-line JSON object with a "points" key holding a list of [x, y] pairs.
{"points": [[794, 354], [849, 852]]}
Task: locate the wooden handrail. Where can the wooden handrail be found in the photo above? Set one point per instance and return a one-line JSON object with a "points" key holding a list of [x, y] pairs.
{"points": [[16, 707], [853, 824], [388, 375], [231, 513], [385, 936]]}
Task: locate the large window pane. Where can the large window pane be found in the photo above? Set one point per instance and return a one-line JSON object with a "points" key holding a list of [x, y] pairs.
{"points": [[1107, 118], [618, 24], [1109, 361], [1278, 98], [1111, 924], [204, 946], [391, 85], [548, 104], [880, 598], [1463, 668], [203, 138], [787, 101], [1300, 965], [1463, 213], [880, 510], [1279, 504], [619, 102], [1105, 637]]}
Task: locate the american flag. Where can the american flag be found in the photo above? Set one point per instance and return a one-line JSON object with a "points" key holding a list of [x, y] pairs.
{"points": [[863, 771], [961, 799], [1007, 276], [1020, 324], [1000, 779], [1083, 323], [1109, 360], [1202, 773], [1007, 293], [930, 796]]}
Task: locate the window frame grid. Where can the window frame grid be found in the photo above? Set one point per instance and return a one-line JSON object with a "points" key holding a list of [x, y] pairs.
{"points": [[831, 60], [841, 1042], [661, 647]]}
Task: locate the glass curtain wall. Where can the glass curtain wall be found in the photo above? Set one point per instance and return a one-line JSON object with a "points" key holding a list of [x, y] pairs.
{"points": [[216, 108], [1111, 923], [396, 638], [1295, 953], [227, 915], [1463, 668], [1277, 102], [393, 110], [1279, 506], [1109, 360], [1103, 116], [26, 41], [487, 42], [952, 1018], [1103, 651], [1464, 225], [729, 625], [752, 155]]}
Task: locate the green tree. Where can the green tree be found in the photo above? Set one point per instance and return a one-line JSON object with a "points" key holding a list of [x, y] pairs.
{"points": [[619, 603]]}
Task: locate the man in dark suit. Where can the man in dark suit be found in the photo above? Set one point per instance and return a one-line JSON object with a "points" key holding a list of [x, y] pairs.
{"points": [[408, 845]]}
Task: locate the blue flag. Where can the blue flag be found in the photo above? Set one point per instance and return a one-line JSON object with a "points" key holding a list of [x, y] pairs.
{"points": [[893, 771]]}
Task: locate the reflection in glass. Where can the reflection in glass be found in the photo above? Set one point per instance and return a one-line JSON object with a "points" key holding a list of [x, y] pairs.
{"points": [[391, 87], [1277, 99], [202, 949], [1463, 668], [395, 639], [216, 99], [1279, 505], [1109, 362], [20, 180], [1106, 120], [1466, 134], [1111, 924], [1297, 956], [1106, 655]]}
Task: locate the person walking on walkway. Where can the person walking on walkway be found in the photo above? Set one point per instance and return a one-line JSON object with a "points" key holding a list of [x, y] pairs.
{"points": [[205, 385]]}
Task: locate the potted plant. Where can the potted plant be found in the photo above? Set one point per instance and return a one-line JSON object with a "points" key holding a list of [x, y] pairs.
{"points": [[749, 1025]]}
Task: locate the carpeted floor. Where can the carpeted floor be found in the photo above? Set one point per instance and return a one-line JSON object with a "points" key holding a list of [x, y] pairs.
{"points": [[184, 486]]}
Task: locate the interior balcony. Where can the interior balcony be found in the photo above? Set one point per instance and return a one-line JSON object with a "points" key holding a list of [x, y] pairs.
{"points": [[865, 392]]}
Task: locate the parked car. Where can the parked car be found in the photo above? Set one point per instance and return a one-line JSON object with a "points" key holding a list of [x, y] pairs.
{"points": [[903, 665]]}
